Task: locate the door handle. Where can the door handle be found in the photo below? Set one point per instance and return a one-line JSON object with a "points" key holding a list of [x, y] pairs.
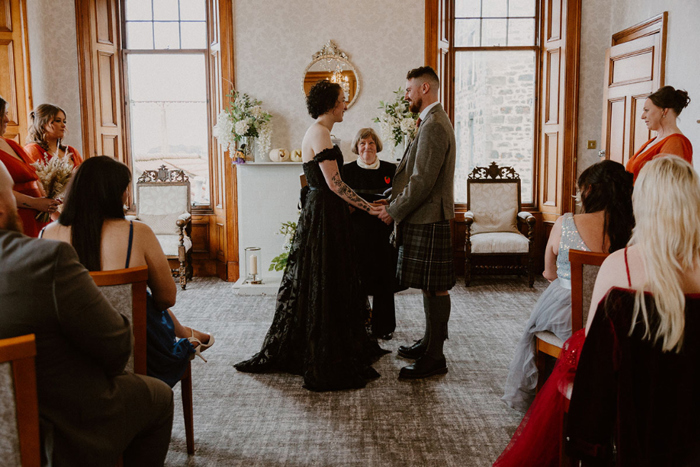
{"points": [[601, 153]]}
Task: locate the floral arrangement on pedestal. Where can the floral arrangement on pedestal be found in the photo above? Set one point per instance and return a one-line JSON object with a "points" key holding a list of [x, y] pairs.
{"points": [[397, 124], [241, 124], [54, 176], [279, 262]]}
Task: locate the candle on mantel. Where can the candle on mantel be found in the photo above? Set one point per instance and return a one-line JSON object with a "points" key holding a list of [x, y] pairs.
{"points": [[253, 265]]}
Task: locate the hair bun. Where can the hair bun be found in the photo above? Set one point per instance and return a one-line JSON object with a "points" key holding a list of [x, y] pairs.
{"points": [[683, 98]]}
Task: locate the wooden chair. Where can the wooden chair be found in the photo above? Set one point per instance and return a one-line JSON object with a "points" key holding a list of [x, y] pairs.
{"points": [[19, 442], [584, 270], [126, 291], [494, 221]]}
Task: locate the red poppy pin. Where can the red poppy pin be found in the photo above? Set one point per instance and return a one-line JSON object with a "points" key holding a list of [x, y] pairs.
{"points": [[387, 179]]}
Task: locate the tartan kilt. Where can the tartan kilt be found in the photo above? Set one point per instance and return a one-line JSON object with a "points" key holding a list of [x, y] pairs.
{"points": [[425, 256]]}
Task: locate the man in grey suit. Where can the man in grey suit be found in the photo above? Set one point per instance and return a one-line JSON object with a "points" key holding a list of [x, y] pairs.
{"points": [[90, 411], [422, 204]]}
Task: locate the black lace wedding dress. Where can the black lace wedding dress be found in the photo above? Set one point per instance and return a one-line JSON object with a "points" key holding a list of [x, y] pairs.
{"points": [[319, 328]]}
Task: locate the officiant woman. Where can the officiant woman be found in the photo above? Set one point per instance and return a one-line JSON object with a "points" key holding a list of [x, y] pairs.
{"points": [[27, 191], [371, 177]]}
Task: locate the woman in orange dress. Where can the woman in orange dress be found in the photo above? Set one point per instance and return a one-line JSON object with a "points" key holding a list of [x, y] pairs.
{"points": [[46, 133], [661, 110], [27, 191]]}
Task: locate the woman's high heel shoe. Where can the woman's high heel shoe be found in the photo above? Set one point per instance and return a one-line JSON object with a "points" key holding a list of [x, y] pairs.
{"points": [[201, 347]]}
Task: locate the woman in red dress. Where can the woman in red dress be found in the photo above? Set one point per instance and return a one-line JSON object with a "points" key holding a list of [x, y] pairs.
{"points": [[27, 191], [661, 110], [46, 134]]}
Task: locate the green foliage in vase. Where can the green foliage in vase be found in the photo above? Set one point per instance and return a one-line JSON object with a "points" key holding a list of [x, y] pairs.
{"points": [[397, 122], [279, 262]]}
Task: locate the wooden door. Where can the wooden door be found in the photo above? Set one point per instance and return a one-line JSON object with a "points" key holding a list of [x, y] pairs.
{"points": [[99, 42], [560, 38], [634, 68], [15, 82]]}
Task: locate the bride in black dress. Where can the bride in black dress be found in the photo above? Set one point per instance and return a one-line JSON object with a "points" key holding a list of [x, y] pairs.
{"points": [[319, 326]]}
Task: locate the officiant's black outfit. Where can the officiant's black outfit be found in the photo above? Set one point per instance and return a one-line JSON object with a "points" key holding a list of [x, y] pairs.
{"points": [[376, 256]]}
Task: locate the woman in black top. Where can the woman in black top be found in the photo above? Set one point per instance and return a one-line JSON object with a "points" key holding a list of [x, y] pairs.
{"points": [[371, 178]]}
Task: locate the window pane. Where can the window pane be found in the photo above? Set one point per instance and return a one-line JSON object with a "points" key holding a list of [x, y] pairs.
{"points": [[493, 32], [467, 32], [138, 10], [521, 8], [192, 10], [494, 115], [165, 10], [469, 8], [168, 115], [167, 35], [521, 31], [194, 35], [497, 8], [139, 35]]}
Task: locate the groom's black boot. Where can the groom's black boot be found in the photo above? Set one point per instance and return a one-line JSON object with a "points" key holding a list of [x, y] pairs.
{"points": [[417, 350], [433, 361]]}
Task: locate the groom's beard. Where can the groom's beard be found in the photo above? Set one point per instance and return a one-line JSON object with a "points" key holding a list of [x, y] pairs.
{"points": [[416, 105], [13, 222]]}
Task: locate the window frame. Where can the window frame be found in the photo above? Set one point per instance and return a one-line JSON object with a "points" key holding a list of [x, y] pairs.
{"points": [[202, 209], [451, 78]]}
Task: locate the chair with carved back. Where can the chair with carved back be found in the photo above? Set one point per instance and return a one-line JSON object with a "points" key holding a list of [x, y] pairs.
{"points": [[125, 289], [494, 221], [19, 406], [163, 202], [584, 270]]}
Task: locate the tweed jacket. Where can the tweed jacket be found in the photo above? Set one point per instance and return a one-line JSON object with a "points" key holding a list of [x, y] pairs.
{"points": [[83, 345], [423, 188]]}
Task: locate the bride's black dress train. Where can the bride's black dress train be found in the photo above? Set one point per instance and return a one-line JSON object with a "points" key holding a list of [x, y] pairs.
{"points": [[319, 327]]}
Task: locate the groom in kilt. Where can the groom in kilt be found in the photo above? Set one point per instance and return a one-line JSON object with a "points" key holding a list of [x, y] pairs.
{"points": [[421, 205]]}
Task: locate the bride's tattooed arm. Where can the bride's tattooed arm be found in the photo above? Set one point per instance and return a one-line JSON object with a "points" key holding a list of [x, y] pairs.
{"points": [[348, 194]]}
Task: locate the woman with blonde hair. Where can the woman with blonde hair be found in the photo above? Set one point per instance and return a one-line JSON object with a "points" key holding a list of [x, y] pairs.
{"points": [[46, 133], [30, 196], [637, 376]]}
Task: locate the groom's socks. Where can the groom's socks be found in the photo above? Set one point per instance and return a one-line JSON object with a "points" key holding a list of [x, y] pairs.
{"points": [[439, 315]]}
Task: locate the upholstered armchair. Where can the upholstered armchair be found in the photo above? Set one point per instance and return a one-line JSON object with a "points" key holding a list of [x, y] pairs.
{"points": [[163, 202], [494, 222]]}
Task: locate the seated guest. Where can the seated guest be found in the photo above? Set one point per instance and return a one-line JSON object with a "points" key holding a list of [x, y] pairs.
{"points": [[638, 371], [605, 225], [371, 178], [90, 411], [93, 222], [661, 110], [27, 190], [46, 133]]}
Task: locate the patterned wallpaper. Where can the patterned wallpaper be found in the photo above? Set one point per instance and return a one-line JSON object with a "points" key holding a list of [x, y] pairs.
{"points": [[595, 39], [275, 40], [53, 56]]}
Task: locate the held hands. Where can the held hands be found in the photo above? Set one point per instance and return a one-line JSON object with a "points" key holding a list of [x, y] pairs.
{"points": [[383, 214], [374, 210]]}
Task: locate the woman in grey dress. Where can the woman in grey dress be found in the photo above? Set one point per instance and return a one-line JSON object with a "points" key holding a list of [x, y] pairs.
{"points": [[605, 225]]}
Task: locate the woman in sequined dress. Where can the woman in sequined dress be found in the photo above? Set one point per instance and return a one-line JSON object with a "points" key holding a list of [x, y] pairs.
{"points": [[605, 225]]}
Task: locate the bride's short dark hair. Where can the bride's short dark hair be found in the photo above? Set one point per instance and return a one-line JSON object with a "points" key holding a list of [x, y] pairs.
{"points": [[322, 97]]}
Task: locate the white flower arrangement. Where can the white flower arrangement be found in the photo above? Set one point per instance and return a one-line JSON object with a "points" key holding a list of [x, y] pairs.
{"points": [[244, 118], [397, 124]]}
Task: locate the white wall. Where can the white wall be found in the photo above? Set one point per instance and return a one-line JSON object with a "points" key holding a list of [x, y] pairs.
{"points": [[274, 43], [600, 20], [53, 58]]}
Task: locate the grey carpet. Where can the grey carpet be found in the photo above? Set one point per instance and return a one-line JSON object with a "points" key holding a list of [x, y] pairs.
{"points": [[269, 420]]}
